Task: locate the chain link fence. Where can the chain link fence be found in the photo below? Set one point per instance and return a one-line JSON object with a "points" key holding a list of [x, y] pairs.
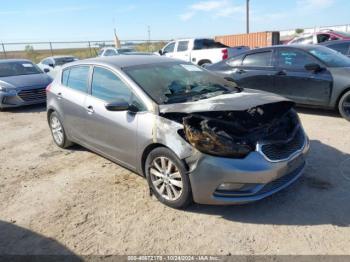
{"points": [[36, 51]]}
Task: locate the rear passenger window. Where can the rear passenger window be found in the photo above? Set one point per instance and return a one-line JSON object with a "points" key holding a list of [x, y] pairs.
{"points": [[76, 78], [294, 59], [108, 87], [182, 46], [236, 61], [258, 59]]}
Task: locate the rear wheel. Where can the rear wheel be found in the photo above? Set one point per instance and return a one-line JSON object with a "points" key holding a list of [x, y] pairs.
{"points": [[204, 63], [344, 106], [58, 134], [168, 179]]}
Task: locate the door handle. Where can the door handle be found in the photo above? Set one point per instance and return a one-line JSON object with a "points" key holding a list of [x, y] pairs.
{"points": [[281, 73], [90, 109], [59, 95]]}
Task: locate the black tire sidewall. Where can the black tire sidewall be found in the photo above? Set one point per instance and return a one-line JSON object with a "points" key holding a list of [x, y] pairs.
{"points": [[186, 196], [340, 106]]}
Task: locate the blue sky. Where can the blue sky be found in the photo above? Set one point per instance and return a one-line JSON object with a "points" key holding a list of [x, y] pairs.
{"points": [[42, 20]]}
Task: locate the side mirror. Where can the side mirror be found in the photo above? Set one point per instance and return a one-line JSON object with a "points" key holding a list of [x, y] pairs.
{"points": [[51, 65], [313, 67], [161, 52], [117, 106], [121, 106], [46, 70]]}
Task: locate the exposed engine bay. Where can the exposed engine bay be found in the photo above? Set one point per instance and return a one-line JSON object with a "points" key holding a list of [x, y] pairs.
{"points": [[235, 133]]}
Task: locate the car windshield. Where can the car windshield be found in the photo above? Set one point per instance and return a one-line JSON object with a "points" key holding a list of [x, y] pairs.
{"points": [[64, 60], [18, 68], [177, 82], [330, 57]]}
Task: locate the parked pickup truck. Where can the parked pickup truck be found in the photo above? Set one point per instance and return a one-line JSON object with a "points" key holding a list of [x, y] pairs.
{"points": [[200, 51]]}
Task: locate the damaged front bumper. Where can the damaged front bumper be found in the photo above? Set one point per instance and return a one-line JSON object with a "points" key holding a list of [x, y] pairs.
{"points": [[260, 174]]}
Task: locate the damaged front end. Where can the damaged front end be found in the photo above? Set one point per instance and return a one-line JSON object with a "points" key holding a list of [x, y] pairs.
{"points": [[236, 133]]}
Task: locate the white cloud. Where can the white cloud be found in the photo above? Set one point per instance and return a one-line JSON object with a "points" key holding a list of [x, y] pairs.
{"points": [[208, 5], [315, 4], [229, 11], [187, 16], [217, 8]]}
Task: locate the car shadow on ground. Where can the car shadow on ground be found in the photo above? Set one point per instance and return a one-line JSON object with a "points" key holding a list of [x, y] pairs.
{"points": [[20, 244], [26, 109], [317, 111], [320, 196]]}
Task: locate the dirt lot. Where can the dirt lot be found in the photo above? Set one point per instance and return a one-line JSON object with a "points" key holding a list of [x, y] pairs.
{"points": [[55, 201]]}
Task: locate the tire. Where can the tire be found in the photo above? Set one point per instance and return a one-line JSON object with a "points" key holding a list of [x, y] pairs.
{"points": [[344, 106], [171, 187], [204, 62], [57, 131]]}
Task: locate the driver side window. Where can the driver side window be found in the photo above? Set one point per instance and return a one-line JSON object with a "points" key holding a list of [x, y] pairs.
{"points": [[108, 87], [110, 52], [169, 48]]}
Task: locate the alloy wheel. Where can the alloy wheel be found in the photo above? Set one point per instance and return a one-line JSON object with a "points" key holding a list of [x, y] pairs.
{"points": [[166, 178], [57, 130]]}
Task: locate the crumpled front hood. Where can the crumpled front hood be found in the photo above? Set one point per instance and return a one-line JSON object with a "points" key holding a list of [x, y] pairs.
{"points": [[228, 102], [27, 81]]}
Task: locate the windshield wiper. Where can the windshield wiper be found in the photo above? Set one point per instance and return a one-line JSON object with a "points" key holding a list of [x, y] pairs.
{"points": [[209, 95]]}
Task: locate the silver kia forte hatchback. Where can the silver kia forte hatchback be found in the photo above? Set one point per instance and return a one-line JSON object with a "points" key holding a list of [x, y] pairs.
{"points": [[194, 136]]}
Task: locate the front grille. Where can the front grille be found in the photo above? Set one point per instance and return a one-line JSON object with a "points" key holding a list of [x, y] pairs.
{"points": [[281, 151], [33, 94]]}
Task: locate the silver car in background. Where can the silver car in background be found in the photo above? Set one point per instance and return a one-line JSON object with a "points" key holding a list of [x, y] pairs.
{"points": [[193, 135], [51, 65], [21, 83]]}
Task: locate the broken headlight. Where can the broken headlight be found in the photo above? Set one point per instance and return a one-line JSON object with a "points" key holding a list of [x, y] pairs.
{"points": [[212, 140]]}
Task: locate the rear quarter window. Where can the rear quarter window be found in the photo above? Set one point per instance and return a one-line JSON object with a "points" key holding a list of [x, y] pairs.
{"points": [[76, 78], [65, 76], [261, 59]]}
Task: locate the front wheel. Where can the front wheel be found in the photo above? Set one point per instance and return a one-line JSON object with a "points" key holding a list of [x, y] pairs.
{"points": [[167, 177], [344, 106]]}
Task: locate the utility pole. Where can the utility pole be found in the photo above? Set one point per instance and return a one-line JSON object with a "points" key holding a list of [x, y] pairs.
{"points": [[149, 38], [247, 16]]}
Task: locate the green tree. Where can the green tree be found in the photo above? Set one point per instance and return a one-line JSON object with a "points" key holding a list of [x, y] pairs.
{"points": [[299, 31], [30, 53]]}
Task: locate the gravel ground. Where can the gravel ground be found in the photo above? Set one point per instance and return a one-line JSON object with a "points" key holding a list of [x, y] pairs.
{"points": [[55, 201]]}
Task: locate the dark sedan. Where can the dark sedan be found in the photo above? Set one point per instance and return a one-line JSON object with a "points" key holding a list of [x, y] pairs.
{"points": [[342, 46], [21, 83], [308, 74]]}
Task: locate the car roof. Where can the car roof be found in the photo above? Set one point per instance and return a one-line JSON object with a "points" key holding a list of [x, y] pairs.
{"points": [[15, 60], [123, 61], [327, 43], [58, 56], [61, 56], [295, 46]]}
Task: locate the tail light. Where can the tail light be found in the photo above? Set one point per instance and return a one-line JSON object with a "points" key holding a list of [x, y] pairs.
{"points": [[48, 88], [224, 54]]}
